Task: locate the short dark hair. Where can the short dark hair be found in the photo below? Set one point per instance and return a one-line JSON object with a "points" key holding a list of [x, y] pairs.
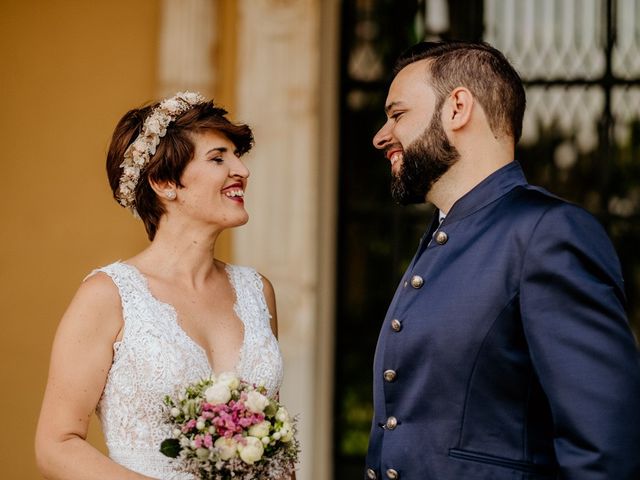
{"points": [[482, 69], [173, 153]]}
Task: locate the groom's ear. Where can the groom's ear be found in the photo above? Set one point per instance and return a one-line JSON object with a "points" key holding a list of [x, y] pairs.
{"points": [[457, 109]]}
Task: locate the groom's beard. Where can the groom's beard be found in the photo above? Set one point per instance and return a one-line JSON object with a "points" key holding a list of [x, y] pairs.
{"points": [[423, 163]]}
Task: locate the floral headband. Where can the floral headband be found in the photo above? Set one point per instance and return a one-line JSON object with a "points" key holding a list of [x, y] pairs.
{"points": [[144, 146]]}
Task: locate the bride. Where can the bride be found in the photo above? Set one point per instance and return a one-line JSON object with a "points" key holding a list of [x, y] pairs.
{"points": [[143, 328]]}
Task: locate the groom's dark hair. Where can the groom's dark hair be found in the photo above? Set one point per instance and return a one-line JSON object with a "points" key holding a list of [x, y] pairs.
{"points": [[482, 69]]}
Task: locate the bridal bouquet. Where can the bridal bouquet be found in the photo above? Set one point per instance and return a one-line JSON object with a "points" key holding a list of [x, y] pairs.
{"points": [[224, 428]]}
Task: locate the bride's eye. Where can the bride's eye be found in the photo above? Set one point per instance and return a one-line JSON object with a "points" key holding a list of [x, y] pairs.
{"points": [[217, 159]]}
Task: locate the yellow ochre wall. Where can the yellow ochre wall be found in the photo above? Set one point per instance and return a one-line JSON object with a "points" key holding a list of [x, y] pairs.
{"points": [[68, 70]]}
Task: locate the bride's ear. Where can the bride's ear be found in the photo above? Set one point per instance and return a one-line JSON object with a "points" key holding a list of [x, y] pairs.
{"points": [[164, 189]]}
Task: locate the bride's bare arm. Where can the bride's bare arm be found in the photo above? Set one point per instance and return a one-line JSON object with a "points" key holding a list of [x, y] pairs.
{"points": [[80, 360]]}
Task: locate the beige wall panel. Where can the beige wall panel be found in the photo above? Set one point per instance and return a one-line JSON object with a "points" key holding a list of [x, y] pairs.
{"points": [[68, 71], [286, 89]]}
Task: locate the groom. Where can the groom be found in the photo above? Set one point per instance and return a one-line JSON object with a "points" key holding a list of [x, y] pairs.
{"points": [[505, 352]]}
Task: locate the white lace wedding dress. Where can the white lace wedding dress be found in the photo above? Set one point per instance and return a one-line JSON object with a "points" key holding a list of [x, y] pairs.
{"points": [[156, 357]]}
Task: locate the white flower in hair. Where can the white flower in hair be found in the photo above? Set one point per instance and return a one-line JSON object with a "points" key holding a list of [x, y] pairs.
{"points": [[190, 97], [171, 105], [144, 146], [155, 127]]}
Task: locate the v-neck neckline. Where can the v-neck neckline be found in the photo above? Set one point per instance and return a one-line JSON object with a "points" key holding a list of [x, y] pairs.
{"points": [[175, 321]]}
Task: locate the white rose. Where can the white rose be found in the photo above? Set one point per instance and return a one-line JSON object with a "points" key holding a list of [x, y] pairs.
{"points": [[282, 415], [175, 412], [202, 454], [256, 402], [229, 379], [200, 425], [217, 393], [252, 451], [227, 447], [286, 432], [260, 429]]}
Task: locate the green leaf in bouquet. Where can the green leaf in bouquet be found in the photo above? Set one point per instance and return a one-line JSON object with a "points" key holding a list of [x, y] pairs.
{"points": [[170, 447], [271, 409]]}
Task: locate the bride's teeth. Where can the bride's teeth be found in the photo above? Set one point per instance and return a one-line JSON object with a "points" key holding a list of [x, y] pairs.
{"points": [[235, 193]]}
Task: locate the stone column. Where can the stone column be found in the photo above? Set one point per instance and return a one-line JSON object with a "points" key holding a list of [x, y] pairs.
{"points": [[283, 63], [187, 41]]}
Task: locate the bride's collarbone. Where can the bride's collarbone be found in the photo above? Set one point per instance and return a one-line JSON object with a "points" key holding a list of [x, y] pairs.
{"points": [[213, 325], [208, 305], [206, 314]]}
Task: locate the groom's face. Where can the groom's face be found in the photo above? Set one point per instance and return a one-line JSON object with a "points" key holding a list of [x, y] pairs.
{"points": [[413, 138]]}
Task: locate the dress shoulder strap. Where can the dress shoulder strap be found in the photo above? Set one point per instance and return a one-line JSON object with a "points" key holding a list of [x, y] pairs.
{"points": [[248, 285], [124, 277], [131, 287]]}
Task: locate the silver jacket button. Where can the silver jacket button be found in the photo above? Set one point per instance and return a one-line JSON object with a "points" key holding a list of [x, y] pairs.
{"points": [[392, 474], [441, 237], [389, 375], [371, 474], [392, 423], [396, 325], [417, 281]]}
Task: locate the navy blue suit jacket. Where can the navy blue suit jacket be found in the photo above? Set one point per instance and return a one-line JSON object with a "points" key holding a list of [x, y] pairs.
{"points": [[513, 359]]}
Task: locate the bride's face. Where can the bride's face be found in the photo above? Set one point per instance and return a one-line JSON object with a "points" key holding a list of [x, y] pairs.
{"points": [[214, 183]]}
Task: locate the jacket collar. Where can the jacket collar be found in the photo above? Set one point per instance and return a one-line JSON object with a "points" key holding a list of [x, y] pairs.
{"points": [[490, 189]]}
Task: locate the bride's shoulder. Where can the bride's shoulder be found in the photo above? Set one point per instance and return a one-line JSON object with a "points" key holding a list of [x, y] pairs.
{"points": [[95, 309], [99, 287]]}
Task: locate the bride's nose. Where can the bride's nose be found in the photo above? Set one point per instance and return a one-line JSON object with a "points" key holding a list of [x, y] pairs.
{"points": [[239, 169]]}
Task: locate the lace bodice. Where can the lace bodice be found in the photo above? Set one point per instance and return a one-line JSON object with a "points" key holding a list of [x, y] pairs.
{"points": [[156, 357]]}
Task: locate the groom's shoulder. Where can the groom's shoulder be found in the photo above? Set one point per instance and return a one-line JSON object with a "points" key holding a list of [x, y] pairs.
{"points": [[536, 202]]}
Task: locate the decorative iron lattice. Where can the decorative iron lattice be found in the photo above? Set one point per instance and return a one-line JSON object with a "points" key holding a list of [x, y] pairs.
{"points": [[565, 42], [626, 54], [549, 39]]}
